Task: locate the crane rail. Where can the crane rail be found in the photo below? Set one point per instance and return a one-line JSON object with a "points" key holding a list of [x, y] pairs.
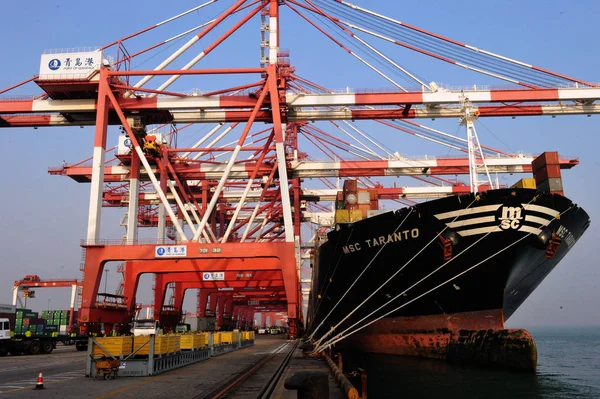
{"points": [[233, 382]]}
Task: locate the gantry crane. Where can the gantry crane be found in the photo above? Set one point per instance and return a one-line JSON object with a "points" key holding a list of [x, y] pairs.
{"points": [[30, 281], [236, 199]]}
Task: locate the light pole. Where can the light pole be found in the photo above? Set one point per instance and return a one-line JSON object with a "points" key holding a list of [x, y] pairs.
{"points": [[105, 280]]}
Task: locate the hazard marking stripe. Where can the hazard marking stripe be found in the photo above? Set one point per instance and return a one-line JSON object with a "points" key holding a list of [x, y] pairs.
{"points": [[541, 209], [480, 230], [469, 211], [496, 229], [490, 208], [529, 229], [468, 222]]}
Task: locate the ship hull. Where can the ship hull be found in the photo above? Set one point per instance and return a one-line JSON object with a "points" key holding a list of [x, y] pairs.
{"points": [[408, 282]]}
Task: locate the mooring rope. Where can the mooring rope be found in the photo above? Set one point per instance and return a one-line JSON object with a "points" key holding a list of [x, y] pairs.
{"points": [[341, 335], [388, 280], [356, 280], [321, 295]]}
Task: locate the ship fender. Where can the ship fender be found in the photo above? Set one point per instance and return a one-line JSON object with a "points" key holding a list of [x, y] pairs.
{"points": [[452, 236], [541, 240], [448, 240]]}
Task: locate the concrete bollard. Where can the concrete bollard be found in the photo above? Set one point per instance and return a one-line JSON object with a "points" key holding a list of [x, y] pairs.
{"points": [[309, 384]]}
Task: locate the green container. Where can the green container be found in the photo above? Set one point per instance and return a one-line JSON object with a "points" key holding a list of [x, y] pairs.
{"points": [[51, 329]]}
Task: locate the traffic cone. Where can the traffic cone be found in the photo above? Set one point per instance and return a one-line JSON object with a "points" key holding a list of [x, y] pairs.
{"points": [[40, 382]]}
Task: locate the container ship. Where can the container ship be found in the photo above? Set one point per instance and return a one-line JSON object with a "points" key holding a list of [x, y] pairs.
{"points": [[440, 278]]}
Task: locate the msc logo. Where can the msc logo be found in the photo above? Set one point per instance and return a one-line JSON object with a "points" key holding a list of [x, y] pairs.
{"points": [[54, 64], [511, 217]]}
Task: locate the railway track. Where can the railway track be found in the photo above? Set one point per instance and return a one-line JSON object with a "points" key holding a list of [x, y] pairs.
{"points": [[227, 387]]}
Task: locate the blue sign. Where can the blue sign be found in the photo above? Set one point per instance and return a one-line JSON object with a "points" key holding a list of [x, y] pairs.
{"points": [[214, 276], [170, 251], [54, 64]]}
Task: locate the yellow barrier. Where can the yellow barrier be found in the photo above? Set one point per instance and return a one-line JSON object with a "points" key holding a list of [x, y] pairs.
{"points": [[188, 342], [139, 341], [114, 346], [194, 341], [173, 343], [226, 337], [203, 339], [163, 344]]}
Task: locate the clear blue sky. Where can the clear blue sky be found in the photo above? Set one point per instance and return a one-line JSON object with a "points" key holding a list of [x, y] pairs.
{"points": [[42, 217]]}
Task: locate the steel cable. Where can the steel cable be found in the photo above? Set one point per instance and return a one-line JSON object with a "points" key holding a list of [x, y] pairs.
{"points": [[389, 279], [454, 51], [341, 335], [357, 278]]}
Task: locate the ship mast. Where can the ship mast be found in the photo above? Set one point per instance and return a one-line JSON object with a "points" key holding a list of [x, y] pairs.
{"points": [[473, 146]]}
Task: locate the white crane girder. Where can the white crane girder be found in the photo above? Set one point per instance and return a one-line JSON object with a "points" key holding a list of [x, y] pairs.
{"points": [[296, 114], [441, 166], [297, 100]]}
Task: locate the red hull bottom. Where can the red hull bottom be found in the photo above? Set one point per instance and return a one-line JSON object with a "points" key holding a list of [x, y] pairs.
{"points": [[470, 337]]}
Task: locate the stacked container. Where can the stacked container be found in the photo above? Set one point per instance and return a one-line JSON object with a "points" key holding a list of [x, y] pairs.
{"points": [[58, 319], [28, 323], [546, 172]]}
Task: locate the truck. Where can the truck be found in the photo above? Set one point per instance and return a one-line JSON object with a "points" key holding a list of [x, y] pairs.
{"points": [[23, 344], [145, 327], [16, 341]]}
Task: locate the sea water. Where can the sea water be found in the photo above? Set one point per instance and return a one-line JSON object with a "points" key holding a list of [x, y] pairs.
{"points": [[568, 367]]}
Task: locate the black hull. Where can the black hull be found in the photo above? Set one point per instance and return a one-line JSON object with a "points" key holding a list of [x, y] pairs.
{"points": [[496, 250]]}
